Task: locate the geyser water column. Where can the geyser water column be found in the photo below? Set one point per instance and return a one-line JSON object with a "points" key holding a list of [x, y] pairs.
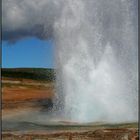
{"points": [[97, 60]]}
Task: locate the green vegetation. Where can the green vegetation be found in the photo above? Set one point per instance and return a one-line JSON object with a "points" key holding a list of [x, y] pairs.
{"points": [[41, 74]]}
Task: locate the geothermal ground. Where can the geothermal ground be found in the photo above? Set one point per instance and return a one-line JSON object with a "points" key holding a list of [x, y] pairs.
{"points": [[26, 102]]}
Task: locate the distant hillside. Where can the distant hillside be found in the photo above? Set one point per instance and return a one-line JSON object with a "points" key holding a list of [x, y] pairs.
{"points": [[42, 74]]}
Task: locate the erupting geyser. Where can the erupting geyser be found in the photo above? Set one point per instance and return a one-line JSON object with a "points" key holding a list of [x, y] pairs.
{"points": [[97, 60]]}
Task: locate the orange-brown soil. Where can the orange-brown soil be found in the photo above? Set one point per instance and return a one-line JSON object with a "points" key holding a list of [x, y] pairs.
{"points": [[19, 94], [24, 91]]}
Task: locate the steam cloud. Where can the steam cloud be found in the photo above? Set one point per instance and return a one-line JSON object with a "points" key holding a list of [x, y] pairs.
{"points": [[97, 56]]}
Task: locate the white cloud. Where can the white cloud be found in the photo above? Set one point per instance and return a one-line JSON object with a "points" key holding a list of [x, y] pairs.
{"points": [[22, 18]]}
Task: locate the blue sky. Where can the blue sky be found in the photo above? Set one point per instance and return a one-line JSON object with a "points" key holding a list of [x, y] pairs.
{"points": [[28, 52]]}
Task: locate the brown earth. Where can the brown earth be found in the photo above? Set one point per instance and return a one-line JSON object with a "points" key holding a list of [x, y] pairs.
{"points": [[16, 92], [100, 134], [19, 94]]}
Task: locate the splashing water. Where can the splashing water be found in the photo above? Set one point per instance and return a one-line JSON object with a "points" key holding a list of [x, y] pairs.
{"points": [[97, 60]]}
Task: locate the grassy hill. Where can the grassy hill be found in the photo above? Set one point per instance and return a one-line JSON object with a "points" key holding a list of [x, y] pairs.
{"points": [[41, 74]]}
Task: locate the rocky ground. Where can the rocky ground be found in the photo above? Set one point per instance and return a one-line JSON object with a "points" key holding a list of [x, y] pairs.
{"points": [[99, 134]]}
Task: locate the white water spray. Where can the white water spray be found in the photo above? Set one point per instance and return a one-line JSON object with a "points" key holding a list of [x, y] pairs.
{"points": [[97, 60]]}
